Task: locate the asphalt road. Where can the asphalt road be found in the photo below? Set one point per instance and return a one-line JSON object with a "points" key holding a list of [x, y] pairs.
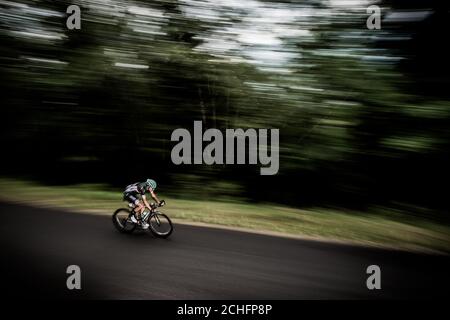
{"points": [[38, 244]]}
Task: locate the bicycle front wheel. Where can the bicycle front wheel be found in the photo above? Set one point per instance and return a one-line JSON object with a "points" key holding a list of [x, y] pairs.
{"points": [[160, 225]]}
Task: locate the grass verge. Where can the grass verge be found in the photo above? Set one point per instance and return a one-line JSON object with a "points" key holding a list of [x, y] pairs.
{"points": [[389, 229]]}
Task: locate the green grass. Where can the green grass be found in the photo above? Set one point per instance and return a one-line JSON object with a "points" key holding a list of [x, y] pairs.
{"points": [[393, 229]]}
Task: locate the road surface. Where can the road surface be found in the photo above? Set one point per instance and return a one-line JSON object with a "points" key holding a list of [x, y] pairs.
{"points": [[196, 263]]}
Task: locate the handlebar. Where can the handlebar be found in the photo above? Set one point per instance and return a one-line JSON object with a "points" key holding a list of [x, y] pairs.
{"points": [[154, 205]]}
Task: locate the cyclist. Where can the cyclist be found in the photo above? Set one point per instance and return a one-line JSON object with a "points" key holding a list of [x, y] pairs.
{"points": [[135, 192]]}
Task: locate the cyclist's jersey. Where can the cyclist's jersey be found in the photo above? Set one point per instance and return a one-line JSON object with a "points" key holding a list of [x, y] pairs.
{"points": [[137, 188]]}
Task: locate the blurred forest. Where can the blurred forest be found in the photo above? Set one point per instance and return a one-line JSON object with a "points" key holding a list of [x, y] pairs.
{"points": [[364, 115]]}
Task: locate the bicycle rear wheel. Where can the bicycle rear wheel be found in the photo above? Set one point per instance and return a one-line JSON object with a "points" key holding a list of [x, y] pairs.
{"points": [[122, 222], [160, 225]]}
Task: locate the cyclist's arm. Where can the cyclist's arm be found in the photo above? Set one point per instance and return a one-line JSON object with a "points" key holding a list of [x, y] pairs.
{"points": [[152, 193]]}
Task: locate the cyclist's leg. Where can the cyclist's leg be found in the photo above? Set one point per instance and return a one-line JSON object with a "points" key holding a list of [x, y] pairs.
{"points": [[139, 209], [137, 206]]}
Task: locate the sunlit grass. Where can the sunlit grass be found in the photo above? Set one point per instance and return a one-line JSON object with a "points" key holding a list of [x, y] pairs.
{"points": [[399, 231]]}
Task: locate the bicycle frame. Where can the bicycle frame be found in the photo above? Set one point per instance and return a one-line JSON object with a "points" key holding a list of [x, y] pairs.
{"points": [[152, 213]]}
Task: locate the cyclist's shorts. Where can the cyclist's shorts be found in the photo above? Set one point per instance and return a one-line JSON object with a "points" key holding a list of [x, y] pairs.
{"points": [[131, 198]]}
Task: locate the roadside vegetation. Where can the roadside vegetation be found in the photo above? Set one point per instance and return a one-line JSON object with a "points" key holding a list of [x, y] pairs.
{"points": [[380, 227]]}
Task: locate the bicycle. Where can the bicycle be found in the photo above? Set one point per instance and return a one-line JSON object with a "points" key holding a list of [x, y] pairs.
{"points": [[159, 223]]}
